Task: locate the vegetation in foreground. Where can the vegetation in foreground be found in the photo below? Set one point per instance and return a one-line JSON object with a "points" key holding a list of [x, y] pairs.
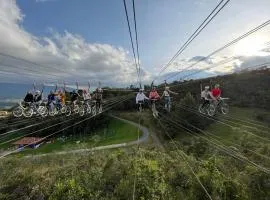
{"points": [[110, 175]]}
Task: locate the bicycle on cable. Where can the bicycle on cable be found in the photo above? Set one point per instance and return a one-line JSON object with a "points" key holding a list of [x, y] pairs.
{"points": [[36, 107], [93, 105], [85, 104], [74, 97], [212, 101], [168, 99], [154, 97], [98, 96], [219, 105], [206, 98], [140, 100], [56, 103]]}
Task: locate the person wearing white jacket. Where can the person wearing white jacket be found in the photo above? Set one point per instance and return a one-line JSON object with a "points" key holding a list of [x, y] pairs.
{"points": [[140, 97]]}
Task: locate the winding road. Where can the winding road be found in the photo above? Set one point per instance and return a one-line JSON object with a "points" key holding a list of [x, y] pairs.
{"points": [[142, 139]]}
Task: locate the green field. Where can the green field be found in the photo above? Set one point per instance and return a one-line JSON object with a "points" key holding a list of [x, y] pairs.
{"points": [[244, 123], [117, 132]]}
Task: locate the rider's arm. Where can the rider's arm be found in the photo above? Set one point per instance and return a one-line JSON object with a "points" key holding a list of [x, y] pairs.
{"points": [[162, 95], [172, 92], [145, 97]]}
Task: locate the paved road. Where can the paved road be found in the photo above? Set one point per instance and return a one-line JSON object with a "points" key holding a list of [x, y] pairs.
{"points": [[142, 139]]}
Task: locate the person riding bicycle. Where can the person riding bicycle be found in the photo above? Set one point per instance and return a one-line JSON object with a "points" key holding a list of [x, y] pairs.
{"points": [[154, 95], [140, 98], [62, 96], [206, 96], [86, 97], [51, 100], [28, 99], [98, 97], [38, 97], [166, 95], [58, 100], [216, 92], [74, 97]]}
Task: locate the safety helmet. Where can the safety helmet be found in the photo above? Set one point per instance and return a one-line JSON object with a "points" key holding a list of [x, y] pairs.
{"points": [[166, 88], [141, 90], [38, 92], [206, 87]]}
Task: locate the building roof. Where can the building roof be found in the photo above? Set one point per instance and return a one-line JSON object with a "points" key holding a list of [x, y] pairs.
{"points": [[29, 140]]}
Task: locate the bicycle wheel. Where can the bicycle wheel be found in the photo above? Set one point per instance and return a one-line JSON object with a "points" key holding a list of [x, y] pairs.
{"points": [[201, 109], [17, 112], [68, 111], [45, 112], [88, 109], [63, 109], [76, 109], [211, 110], [41, 110], [28, 112], [224, 108], [81, 110], [100, 109], [53, 111]]}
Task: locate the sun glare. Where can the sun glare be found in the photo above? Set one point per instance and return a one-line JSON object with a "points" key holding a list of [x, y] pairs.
{"points": [[250, 47]]}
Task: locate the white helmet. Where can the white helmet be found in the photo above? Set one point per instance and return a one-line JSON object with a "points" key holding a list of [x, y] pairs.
{"points": [[166, 88], [38, 92], [141, 90]]}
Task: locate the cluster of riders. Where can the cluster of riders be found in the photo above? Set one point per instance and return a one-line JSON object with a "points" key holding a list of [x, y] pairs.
{"points": [[57, 99], [207, 96]]}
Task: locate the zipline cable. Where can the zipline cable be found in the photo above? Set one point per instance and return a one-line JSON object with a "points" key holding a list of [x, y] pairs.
{"points": [[137, 44], [218, 146], [195, 34], [266, 23], [131, 39], [186, 161]]}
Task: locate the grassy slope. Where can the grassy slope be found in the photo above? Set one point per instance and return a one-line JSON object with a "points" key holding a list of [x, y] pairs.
{"points": [[122, 132], [245, 114]]}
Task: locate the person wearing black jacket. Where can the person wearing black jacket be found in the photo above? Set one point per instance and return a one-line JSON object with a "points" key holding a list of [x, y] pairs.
{"points": [[29, 98]]}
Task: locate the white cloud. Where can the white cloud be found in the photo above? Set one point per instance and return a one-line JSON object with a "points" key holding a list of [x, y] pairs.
{"points": [[59, 56], [216, 65]]}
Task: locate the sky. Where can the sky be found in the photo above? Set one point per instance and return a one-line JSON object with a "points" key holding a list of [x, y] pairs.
{"points": [[87, 40]]}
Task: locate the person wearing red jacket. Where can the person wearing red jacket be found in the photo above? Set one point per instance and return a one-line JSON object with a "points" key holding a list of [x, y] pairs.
{"points": [[154, 94], [216, 92]]}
